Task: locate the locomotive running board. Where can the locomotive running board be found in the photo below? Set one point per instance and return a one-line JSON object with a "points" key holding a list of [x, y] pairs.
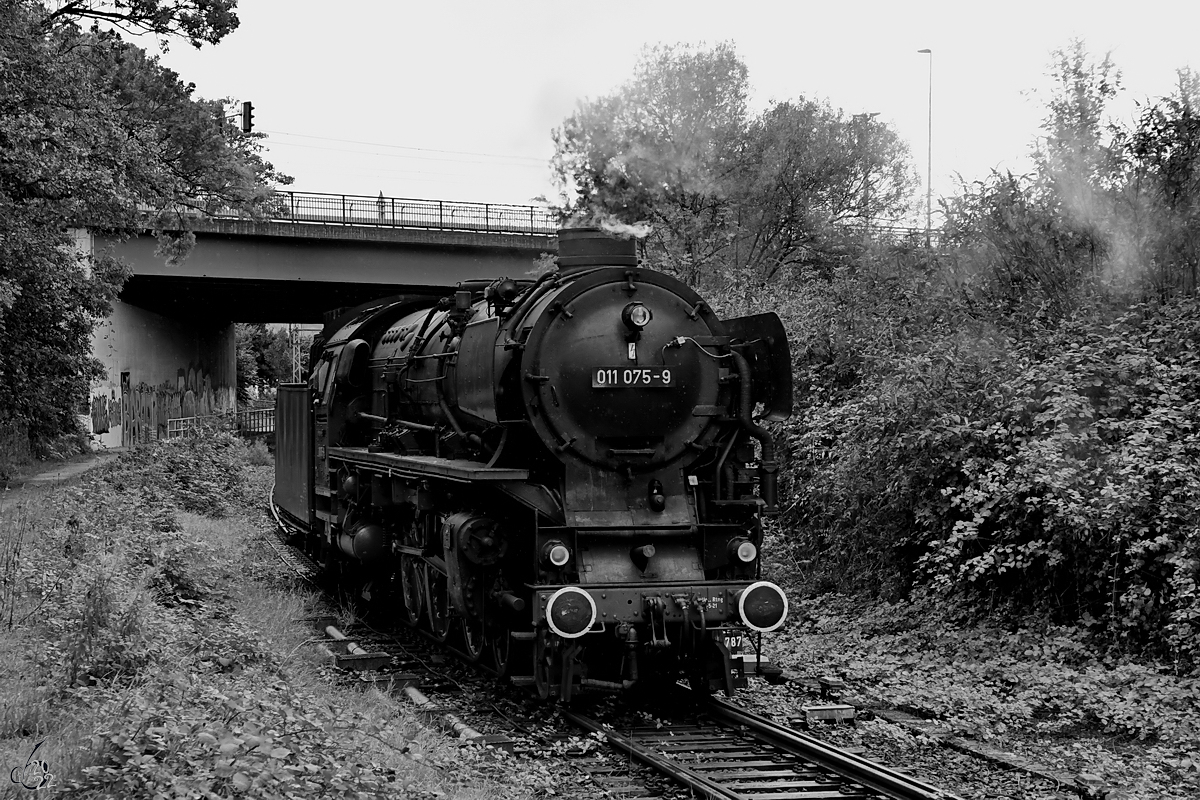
{"points": [[454, 469]]}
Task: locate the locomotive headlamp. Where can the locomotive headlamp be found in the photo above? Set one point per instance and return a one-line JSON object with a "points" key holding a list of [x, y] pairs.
{"points": [[636, 316], [570, 612], [762, 606], [743, 550], [556, 553]]}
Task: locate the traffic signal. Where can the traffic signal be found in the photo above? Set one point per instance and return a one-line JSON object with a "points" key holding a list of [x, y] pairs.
{"points": [[247, 117]]}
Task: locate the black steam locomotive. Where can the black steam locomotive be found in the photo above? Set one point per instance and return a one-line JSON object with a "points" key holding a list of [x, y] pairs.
{"points": [[558, 475]]}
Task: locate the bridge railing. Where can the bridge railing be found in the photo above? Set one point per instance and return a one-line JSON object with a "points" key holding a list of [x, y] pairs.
{"points": [[256, 421], [252, 422], [445, 215], [403, 212]]}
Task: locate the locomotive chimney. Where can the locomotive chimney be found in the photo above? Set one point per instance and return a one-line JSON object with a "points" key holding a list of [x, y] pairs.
{"points": [[592, 247]]}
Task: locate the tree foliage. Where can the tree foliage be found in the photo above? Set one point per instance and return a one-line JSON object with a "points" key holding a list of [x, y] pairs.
{"points": [[1012, 253], [91, 127], [264, 357], [1160, 192], [675, 155], [197, 21]]}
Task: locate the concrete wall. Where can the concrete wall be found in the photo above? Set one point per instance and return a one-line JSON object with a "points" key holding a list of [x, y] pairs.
{"points": [[295, 258], [158, 369]]}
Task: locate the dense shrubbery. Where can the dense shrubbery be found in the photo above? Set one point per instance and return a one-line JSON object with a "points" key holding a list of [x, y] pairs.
{"points": [[202, 473], [1061, 471], [1082, 486]]}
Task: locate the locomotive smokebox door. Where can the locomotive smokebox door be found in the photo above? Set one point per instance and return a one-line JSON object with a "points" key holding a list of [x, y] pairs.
{"points": [[585, 397]]}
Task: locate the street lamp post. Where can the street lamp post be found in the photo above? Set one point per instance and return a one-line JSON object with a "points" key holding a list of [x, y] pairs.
{"points": [[929, 155]]}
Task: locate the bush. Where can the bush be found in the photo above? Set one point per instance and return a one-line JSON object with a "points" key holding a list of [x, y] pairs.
{"points": [[204, 474], [258, 455], [1083, 492], [1058, 471]]}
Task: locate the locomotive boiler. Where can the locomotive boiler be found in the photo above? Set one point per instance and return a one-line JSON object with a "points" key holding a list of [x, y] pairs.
{"points": [[563, 477]]}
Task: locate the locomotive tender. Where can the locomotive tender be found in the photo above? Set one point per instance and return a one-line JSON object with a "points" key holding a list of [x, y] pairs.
{"points": [[558, 475]]}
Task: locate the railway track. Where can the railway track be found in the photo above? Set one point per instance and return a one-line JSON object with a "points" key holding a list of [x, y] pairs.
{"points": [[728, 752], [716, 750]]}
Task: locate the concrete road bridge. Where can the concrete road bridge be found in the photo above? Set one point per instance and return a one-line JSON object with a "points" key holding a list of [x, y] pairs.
{"points": [[168, 347]]}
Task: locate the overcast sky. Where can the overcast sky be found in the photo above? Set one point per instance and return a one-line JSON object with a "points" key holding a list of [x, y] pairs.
{"points": [[456, 100]]}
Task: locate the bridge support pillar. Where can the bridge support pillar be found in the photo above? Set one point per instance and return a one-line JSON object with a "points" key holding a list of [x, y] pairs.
{"points": [[158, 368]]}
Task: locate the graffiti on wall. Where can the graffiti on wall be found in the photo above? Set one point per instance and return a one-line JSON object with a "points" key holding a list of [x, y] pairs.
{"points": [[104, 408], [143, 410]]}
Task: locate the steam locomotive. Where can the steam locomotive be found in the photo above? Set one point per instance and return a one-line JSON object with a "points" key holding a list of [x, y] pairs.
{"points": [[562, 477]]}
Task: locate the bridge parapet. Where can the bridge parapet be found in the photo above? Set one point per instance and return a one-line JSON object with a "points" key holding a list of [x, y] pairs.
{"points": [[245, 226], [404, 220], [345, 210], [405, 212]]}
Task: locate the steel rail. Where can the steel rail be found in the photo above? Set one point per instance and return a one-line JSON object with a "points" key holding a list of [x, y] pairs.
{"points": [[861, 777], [853, 767], [702, 786]]}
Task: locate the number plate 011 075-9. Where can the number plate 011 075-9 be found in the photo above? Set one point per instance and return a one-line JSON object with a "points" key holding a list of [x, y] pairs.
{"points": [[632, 377]]}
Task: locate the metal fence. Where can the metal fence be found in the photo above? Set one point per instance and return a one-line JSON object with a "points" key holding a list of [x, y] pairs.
{"points": [[189, 426], [403, 212], [254, 422]]}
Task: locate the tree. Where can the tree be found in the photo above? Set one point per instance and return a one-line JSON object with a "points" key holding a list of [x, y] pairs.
{"points": [[655, 152], [1076, 165], [805, 171], [675, 154], [1159, 196], [1111, 209], [1013, 252], [90, 128], [264, 357], [197, 21]]}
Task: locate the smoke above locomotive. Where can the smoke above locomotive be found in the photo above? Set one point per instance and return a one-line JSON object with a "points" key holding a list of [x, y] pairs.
{"points": [[563, 477]]}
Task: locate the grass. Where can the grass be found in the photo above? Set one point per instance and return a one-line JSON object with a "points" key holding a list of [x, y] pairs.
{"points": [[158, 651]]}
